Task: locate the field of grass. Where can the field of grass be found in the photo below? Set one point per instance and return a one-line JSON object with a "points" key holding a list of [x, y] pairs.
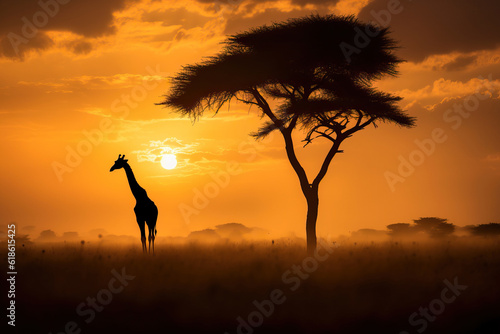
{"points": [[260, 288]]}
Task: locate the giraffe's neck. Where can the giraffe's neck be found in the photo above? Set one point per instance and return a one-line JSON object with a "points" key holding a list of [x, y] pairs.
{"points": [[138, 192]]}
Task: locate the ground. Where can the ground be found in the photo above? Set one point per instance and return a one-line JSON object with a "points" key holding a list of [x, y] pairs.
{"points": [[445, 286]]}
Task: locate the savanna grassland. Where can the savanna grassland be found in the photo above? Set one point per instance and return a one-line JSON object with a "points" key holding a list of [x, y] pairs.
{"points": [[274, 288]]}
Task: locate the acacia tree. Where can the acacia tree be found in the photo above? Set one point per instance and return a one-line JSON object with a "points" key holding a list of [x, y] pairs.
{"points": [[434, 226], [485, 230], [304, 75]]}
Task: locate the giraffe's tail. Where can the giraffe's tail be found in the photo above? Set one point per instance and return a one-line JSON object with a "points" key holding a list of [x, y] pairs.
{"points": [[155, 232]]}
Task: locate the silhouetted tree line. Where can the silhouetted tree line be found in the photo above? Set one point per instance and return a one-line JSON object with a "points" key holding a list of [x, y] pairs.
{"points": [[440, 227], [484, 230]]}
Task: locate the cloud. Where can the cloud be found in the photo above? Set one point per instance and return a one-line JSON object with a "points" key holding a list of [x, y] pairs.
{"points": [[181, 17], [301, 3], [92, 82], [444, 89], [244, 14], [426, 28], [79, 47], [16, 46], [493, 157], [82, 27], [156, 148], [304, 3], [238, 23], [204, 156], [196, 157], [350, 7], [24, 23], [454, 62], [459, 63], [492, 162]]}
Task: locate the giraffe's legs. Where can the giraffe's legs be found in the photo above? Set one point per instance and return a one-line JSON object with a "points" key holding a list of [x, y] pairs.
{"points": [[151, 222], [143, 234], [143, 241], [151, 238]]}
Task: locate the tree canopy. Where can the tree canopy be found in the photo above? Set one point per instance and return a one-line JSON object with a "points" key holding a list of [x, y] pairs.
{"points": [[300, 62], [434, 226]]}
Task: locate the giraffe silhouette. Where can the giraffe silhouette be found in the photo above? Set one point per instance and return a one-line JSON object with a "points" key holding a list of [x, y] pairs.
{"points": [[145, 209]]}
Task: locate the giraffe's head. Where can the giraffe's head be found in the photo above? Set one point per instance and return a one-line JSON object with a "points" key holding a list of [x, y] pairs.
{"points": [[120, 163]]}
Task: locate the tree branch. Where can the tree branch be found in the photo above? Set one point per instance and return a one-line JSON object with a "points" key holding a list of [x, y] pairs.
{"points": [[246, 101], [360, 117], [262, 103], [336, 144], [293, 122], [287, 135], [326, 163], [357, 127], [324, 134], [297, 167], [292, 94]]}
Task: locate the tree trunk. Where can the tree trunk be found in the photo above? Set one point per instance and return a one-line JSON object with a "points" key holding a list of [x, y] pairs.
{"points": [[312, 199], [310, 191]]}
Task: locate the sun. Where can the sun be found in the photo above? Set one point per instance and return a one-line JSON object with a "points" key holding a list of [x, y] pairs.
{"points": [[168, 161]]}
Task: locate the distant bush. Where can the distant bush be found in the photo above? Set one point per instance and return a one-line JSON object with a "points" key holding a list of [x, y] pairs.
{"points": [[432, 226], [47, 235], [207, 235], [23, 240], [369, 234], [233, 231], [400, 229], [485, 230]]}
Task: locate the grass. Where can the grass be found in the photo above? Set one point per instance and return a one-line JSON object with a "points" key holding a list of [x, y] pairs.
{"points": [[358, 288]]}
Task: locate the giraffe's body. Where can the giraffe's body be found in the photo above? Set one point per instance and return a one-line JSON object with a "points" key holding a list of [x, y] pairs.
{"points": [[146, 212]]}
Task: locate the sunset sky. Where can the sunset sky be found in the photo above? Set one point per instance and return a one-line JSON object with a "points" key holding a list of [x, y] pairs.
{"points": [[80, 79]]}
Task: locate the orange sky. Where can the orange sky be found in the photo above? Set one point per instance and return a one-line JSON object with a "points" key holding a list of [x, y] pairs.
{"points": [[87, 80]]}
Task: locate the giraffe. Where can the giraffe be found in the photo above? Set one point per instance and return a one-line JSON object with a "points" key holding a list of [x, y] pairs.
{"points": [[145, 209]]}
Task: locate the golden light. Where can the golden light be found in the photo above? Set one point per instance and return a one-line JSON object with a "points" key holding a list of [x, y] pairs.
{"points": [[168, 161]]}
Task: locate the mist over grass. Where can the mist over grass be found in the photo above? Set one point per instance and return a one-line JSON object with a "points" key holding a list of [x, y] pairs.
{"points": [[355, 287]]}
